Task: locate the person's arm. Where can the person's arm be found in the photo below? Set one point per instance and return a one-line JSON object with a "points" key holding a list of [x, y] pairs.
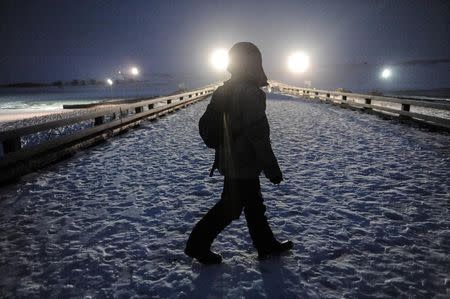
{"points": [[258, 133]]}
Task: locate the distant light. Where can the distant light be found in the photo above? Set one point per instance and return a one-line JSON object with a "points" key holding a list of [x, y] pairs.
{"points": [[298, 62], [386, 73], [109, 82], [219, 59], [134, 71]]}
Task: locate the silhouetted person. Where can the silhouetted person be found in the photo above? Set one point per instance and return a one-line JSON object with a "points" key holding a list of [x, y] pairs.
{"points": [[243, 153]]}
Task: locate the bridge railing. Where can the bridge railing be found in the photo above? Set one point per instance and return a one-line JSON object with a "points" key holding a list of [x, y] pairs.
{"points": [[18, 157], [435, 113]]}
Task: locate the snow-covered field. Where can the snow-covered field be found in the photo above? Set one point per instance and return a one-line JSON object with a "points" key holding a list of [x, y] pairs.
{"points": [[365, 200]]}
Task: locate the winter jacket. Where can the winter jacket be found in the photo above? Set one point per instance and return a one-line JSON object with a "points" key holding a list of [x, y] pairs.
{"points": [[246, 150]]}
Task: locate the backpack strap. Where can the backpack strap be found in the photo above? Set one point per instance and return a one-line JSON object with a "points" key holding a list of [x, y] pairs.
{"points": [[214, 166]]}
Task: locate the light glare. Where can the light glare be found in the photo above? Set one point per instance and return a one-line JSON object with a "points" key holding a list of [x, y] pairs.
{"points": [[298, 62], [109, 82], [134, 71], [386, 73], [219, 59]]}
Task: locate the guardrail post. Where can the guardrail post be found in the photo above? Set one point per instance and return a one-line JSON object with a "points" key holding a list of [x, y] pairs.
{"points": [[405, 107], [368, 102], [139, 109], [99, 120], [11, 145]]}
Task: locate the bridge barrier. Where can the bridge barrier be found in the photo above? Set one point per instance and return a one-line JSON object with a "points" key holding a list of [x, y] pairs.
{"points": [[86, 129], [102, 122], [435, 113]]}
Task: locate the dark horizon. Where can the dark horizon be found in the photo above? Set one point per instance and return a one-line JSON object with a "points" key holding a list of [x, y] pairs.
{"points": [[47, 41]]}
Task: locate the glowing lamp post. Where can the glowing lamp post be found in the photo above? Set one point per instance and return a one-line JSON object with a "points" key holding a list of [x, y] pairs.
{"points": [[134, 71], [110, 83], [298, 62], [219, 59], [386, 73]]}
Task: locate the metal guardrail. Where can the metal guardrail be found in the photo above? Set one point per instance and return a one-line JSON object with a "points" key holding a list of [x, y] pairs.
{"points": [[430, 112], [111, 120], [105, 122]]}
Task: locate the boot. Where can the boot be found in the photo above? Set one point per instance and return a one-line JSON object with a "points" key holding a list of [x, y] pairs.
{"points": [[205, 257], [276, 249]]}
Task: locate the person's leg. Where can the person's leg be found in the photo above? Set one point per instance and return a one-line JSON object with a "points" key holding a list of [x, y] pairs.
{"points": [[262, 236], [254, 209], [219, 217]]}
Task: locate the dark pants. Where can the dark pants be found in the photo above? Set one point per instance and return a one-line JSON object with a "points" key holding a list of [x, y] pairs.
{"points": [[237, 195]]}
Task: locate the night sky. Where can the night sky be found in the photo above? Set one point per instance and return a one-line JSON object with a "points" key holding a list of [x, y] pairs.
{"points": [[51, 40]]}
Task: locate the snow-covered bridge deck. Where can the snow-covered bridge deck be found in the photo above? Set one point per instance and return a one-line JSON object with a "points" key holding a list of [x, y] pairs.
{"points": [[365, 200]]}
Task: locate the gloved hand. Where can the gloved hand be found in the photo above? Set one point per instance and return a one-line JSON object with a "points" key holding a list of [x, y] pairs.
{"points": [[275, 175], [276, 179]]}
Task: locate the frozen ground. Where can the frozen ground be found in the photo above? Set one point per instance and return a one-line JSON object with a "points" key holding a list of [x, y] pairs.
{"points": [[365, 200]]}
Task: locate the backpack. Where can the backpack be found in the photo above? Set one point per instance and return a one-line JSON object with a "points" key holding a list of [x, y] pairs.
{"points": [[211, 126], [217, 118]]}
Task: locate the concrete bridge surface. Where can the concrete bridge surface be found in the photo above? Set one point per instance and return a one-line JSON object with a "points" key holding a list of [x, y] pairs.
{"points": [[365, 200]]}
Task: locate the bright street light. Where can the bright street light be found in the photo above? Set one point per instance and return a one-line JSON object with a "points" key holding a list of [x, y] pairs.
{"points": [[134, 71], [386, 73], [109, 82], [298, 62], [219, 59]]}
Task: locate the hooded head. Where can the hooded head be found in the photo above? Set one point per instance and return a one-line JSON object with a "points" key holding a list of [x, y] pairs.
{"points": [[246, 64]]}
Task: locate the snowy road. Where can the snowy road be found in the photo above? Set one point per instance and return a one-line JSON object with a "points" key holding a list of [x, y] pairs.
{"points": [[365, 200]]}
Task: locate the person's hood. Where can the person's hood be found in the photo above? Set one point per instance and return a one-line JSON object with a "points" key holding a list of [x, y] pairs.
{"points": [[246, 64]]}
